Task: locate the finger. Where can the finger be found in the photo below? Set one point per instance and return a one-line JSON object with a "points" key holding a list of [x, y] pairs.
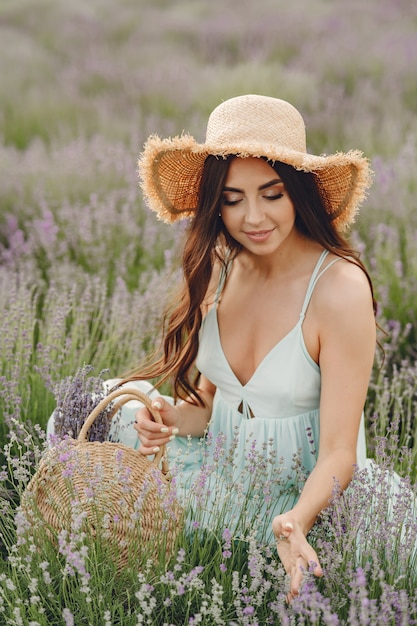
{"points": [[287, 529], [310, 556], [160, 403], [151, 436], [290, 597], [144, 425], [316, 567], [151, 442], [148, 450], [145, 421], [297, 577]]}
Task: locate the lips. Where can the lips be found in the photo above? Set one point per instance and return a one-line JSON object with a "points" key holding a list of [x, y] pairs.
{"points": [[258, 235]]}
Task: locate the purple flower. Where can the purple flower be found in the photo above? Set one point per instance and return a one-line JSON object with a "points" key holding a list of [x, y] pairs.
{"points": [[76, 396]]}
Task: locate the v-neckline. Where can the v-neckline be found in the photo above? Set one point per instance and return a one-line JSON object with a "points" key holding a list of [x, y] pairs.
{"points": [[262, 361], [314, 276]]}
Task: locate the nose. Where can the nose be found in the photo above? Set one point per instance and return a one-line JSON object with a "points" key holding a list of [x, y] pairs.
{"points": [[254, 212]]}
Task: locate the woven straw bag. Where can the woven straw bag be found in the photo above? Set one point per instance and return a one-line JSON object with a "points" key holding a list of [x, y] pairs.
{"points": [[126, 499]]}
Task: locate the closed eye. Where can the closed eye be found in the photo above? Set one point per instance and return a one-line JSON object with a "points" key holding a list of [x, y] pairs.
{"points": [[274, 191], [227, 202], [276, 196]]}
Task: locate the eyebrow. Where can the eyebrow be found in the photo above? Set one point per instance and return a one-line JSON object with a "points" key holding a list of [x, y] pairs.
{"points": [[261, 187]]}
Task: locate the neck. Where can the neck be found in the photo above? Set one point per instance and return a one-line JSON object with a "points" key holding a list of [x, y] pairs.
{"points": [[289, 258]]}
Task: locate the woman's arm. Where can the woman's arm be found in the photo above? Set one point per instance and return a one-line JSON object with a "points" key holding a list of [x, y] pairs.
{"points": [[346, 330], [187, 418], [192, 419], [184, 419]]}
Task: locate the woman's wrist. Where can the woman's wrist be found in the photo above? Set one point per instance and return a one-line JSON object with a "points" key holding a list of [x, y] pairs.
{"points": [[180, 417], [192, 420], [304, 523]]}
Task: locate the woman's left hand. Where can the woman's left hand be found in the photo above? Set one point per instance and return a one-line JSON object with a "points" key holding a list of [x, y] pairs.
{"points": [[295, 552]]}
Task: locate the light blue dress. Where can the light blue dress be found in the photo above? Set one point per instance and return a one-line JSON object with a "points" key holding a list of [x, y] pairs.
{"points": [[262, 439], [263, 436]]}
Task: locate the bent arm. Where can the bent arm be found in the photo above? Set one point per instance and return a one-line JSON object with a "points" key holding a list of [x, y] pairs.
{"points": [[347, 349], [193, 419], [185, 419]]}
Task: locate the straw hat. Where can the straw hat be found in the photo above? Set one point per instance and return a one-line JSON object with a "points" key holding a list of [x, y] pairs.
{"points": [[249, 125]]}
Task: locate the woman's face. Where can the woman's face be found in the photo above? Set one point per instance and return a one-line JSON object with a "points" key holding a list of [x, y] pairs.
{"points": [[255, 207]]}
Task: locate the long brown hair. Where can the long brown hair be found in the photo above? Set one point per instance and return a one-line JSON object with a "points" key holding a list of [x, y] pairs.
{"points": [[206, 242]]}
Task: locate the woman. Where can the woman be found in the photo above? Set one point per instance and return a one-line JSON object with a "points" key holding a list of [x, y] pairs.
{"points": [[276, 312]]}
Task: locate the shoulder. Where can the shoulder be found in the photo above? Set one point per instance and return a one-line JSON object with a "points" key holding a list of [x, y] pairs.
{"points": [[343, 279], [343, 294]]}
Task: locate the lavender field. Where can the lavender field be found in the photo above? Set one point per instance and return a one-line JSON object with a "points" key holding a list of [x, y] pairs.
{"points": [[85, 269]]}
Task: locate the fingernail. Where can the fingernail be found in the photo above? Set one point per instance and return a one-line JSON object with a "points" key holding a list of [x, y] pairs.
{"points": [[157, 404], [164, 429], [171, 437], [156, 449], [175, 431], [289, 526]]}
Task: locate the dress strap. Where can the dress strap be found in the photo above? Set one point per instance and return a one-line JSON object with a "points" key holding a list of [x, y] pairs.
{"points": [[314, 278]]}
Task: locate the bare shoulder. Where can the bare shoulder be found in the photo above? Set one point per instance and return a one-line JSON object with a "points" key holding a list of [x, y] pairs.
{"points": [[343, 290], [342, 320]]}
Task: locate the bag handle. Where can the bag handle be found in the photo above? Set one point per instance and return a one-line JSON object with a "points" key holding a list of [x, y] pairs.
{"points": [[126, 394]]}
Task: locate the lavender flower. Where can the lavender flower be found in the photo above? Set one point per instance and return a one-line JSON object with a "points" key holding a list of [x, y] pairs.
{"points": [[83, 275], [76, 396]]}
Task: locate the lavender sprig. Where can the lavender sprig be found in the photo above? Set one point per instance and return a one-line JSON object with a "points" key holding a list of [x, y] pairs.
{"points": [[76, 396]]}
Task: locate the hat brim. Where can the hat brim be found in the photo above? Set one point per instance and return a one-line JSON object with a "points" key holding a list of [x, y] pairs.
{"points": [[170, 172]]}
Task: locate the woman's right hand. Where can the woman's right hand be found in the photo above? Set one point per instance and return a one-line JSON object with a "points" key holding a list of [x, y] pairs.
{"points": [[152, 435]]}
